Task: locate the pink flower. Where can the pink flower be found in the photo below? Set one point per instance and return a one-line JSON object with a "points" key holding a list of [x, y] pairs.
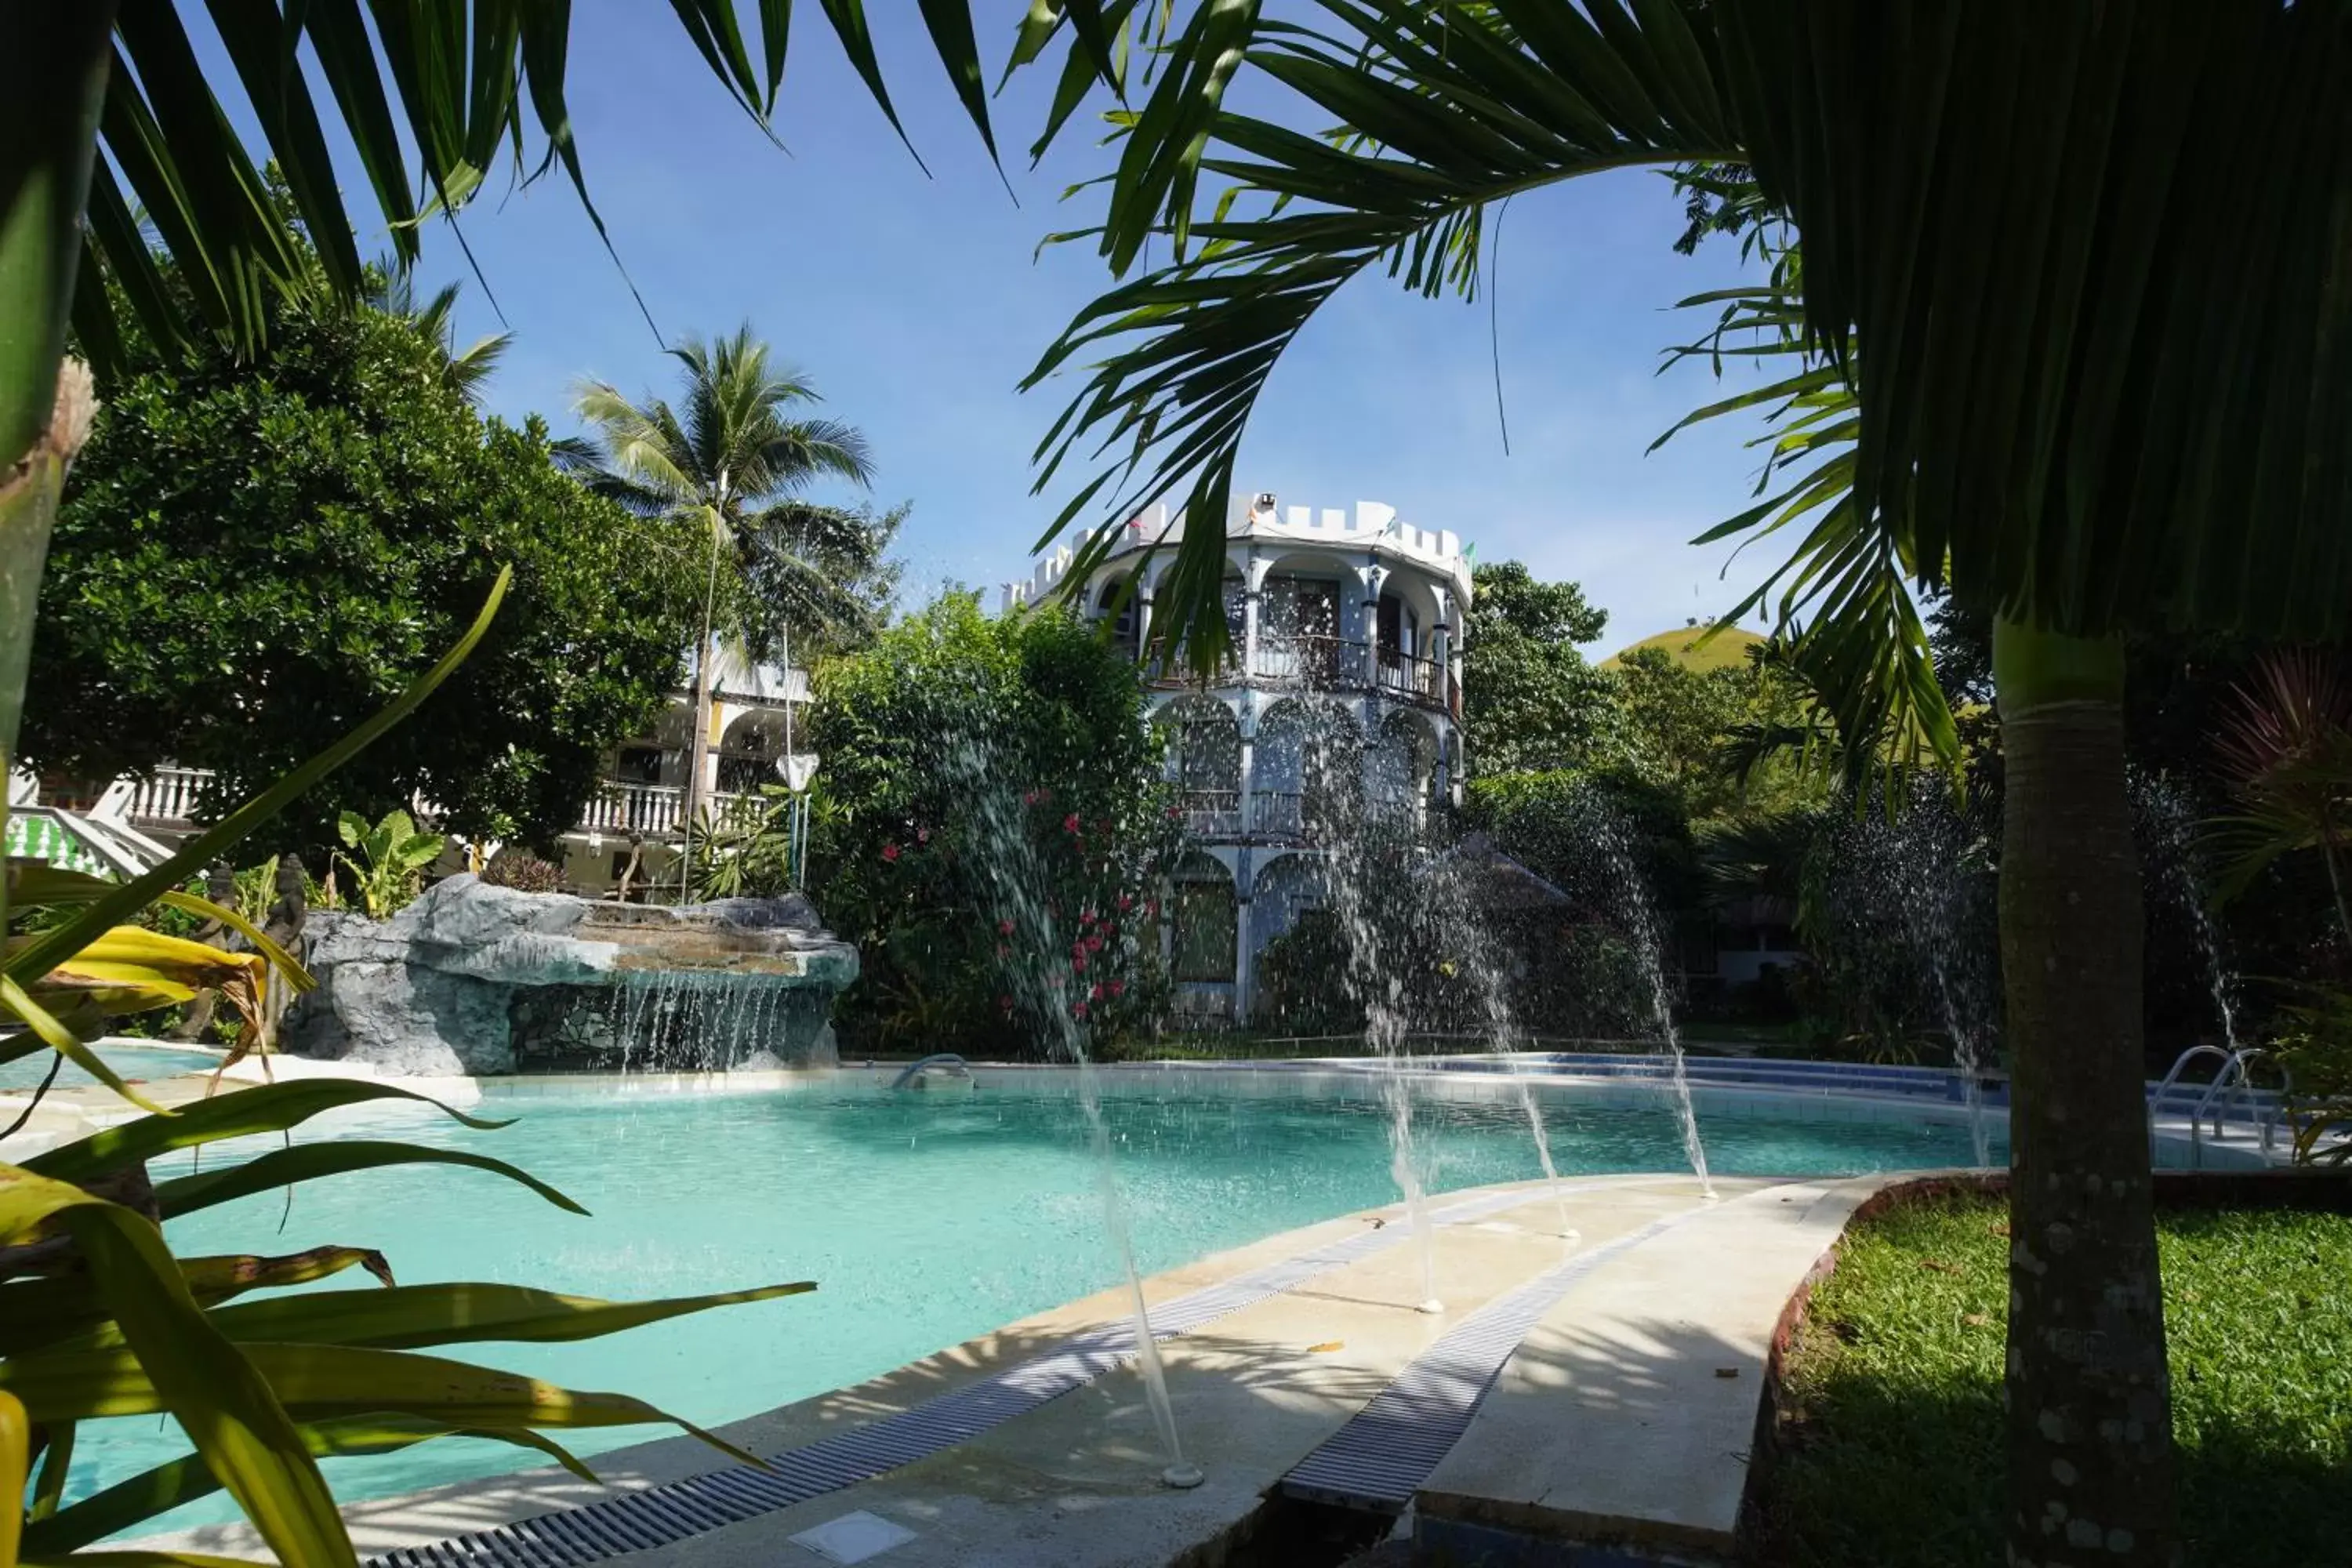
{"points": [[1175, 814], [889, 851], [1152, 908], [922, 836], [1029, 797], [1094, 944], [1077, 1010], [1078, 961], [1070, 823], [1097, 993], [1004, 927], [1118, 987], [1085, 917], [1126, 900]]}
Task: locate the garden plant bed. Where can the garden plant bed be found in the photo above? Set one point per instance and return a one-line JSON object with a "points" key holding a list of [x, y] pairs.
{"points": [[1883, 1443]]}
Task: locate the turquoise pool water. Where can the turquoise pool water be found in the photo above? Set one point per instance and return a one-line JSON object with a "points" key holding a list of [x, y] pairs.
{"points": [[926, 1218], [143, 1062]]}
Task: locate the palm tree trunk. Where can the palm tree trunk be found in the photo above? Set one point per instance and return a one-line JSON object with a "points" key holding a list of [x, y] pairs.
{"points": [[53, 65], [2089, 1401], [698, 758]]}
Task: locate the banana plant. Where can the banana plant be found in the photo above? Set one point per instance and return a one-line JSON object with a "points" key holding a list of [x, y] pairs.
{"points": [[392, 857]]}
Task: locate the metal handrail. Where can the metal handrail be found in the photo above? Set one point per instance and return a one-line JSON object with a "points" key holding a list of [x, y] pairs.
{"points": [[2155, 1100], [2235, 1082], [916, 1070]]}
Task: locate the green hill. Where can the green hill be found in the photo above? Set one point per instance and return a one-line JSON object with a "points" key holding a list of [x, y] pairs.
{"points": [[1724, 651]]}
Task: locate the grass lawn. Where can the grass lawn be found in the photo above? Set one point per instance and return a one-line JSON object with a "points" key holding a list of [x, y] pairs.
{"points": [[1895, 1457]]}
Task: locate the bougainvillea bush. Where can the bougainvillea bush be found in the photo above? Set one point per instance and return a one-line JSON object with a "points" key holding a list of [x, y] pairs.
{"points": [[992, 826]]}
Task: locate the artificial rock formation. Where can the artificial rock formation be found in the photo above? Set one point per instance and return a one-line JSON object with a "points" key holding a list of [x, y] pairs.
{"points": [[474, 979]]}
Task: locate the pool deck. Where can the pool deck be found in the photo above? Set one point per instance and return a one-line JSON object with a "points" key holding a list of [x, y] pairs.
{"points": [[1624, 1415]]}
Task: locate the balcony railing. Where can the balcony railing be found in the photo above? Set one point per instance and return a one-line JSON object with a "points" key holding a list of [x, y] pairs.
{"points": [[167, 800], [1212, 813], [1278, 814], [1316, 662]]}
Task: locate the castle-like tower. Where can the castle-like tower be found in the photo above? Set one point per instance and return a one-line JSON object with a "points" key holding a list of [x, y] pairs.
{"points": [[1347, 632]]}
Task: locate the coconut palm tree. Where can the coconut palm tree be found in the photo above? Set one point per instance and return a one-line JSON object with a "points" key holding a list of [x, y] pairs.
{"points": [[469, 77], [728, 467], [470, 368], [2078, 265]]}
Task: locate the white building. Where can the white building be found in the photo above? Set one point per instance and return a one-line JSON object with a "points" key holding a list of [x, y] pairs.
{"points": [[1346, 622], [637, 810]]}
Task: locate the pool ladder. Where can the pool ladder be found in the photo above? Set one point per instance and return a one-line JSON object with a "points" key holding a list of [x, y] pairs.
{"points": [[946, 1062], [2233, 1083]]}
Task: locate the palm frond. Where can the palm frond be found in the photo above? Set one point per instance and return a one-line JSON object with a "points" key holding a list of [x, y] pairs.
{"points": [[1446, 110], [444, 90]]}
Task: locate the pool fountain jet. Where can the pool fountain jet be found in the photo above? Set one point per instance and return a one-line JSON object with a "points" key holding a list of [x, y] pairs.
{"points": [[474, 979], [1016, 890]]}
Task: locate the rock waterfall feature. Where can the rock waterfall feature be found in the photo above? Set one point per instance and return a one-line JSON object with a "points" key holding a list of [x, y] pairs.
{"points": [[474, 979]]}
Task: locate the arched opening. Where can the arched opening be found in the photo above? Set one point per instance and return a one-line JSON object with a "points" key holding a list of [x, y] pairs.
{"points": [[1402, 621], [1308, 773], [1204, 763], [1120, 603], [1398, 773], [1204, 921], [751, 752]]}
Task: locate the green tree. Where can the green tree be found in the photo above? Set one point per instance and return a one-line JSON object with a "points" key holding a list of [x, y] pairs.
{"points": [[468, 369], [1535, 702], [725, 472], [310, 532], [460, 73], [991, 827], [2093, 354]]}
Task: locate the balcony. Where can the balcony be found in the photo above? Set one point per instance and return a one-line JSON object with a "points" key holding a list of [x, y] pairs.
{"points": [[1311, 662], [1314, 662], [1212, 813], [166, 801]]}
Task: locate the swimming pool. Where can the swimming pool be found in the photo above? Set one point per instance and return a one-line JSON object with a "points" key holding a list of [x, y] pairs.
{"points": [[139, 1063], [926, 1218]]}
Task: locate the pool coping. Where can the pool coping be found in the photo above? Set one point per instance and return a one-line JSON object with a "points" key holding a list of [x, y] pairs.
{"points": [[402, 1532]]}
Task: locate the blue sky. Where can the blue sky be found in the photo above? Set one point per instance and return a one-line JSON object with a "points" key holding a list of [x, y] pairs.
{"points": [[916, 304]]}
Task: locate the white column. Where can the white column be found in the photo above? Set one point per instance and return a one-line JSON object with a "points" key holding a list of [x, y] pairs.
{"points": [[1245, 878], [1252, 585], [1245, 780]]}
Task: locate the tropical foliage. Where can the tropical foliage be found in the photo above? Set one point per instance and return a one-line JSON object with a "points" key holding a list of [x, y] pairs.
{"points": [[307, 531], [103, 1322], [727, 468], [387, 862], [1537, 703], [992, 827], [2058, 315]]}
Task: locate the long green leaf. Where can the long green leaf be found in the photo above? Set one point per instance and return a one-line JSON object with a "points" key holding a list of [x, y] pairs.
{"points": [[411, 1317], [183, 1365], [309, 1162], [54, 946], [39, 1311], [129, 1503], [267, 1108], [319, 1383], [52, 1031]]}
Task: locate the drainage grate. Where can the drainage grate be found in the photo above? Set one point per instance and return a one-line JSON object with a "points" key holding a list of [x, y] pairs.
{"points": [[1381, 1457], [674, 1511]]}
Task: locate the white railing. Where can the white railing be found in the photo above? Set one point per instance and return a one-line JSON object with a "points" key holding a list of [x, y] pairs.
{"points": [[166, 798]]}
